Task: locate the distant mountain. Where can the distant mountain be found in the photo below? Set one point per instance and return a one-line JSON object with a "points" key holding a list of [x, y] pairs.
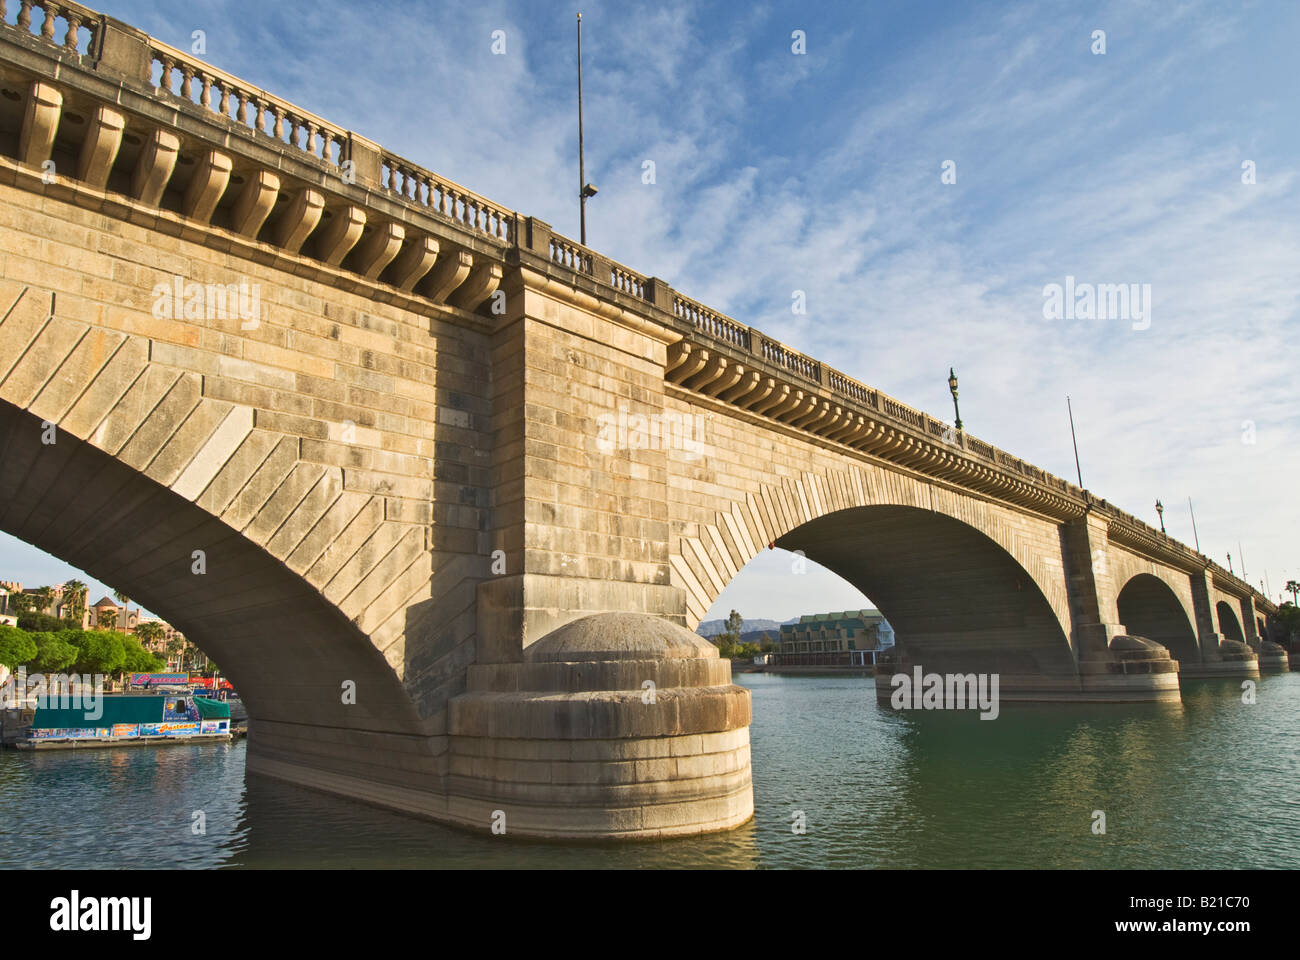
{"points": [[711, 628]]}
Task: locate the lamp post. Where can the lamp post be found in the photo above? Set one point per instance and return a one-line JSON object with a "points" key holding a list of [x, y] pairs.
{"points": [[1160, 509], [585, 190], [952, 385]]}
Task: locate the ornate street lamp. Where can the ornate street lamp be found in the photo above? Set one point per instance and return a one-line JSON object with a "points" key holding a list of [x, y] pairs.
{"points": [[952, 385], [1160, 509]]}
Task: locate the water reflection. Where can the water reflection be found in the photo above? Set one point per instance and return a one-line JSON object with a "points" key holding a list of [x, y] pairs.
{"points": [[1210, 782]]}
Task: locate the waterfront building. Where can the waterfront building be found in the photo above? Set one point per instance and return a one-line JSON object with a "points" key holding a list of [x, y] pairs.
{"points": [[851, 637], [106, 614]]}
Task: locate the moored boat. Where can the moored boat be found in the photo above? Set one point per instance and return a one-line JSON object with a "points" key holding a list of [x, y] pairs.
{"points": [[129, 720]]}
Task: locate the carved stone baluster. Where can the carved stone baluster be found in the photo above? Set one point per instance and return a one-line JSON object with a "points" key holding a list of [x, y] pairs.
{"points": [[205, 96], [261, 114], [187, 79], [224, 109], [241, 114], [165, 81], [74, 27], [47, 25], [278, 128], [310, 145], [25, 16]]}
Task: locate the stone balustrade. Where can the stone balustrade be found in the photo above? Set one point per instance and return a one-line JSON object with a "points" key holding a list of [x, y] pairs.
{"points": [[711, 324], [182, 75], [778, 353], [414, 184], [81, 24]]}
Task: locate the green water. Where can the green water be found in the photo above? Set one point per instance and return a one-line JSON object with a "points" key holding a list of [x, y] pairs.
{"points": [[1208, 783]]}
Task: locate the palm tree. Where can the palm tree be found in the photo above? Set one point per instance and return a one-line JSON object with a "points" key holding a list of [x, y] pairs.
{"points": [[45, 597], [124, 615], [1294, 587], [174, 647], [75, 593]]}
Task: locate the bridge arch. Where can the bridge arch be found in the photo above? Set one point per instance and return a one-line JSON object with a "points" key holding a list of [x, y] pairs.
{"points": [[1149, 608], [785, 513], [960, 589], [281, 640], [1229, 625]]}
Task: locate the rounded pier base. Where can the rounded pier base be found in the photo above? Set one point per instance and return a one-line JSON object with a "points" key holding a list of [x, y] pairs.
{"points": [[1137, 671], [1273, 657], [614, 726]]}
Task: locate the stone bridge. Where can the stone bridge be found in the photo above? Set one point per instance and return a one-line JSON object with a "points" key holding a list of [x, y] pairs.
{"points": [[444, 492]]}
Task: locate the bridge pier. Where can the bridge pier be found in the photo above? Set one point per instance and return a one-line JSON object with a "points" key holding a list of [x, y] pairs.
{"points": [[614, 725]]}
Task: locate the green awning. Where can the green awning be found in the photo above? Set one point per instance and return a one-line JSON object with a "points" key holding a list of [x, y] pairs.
{"points": [[212, 709]]}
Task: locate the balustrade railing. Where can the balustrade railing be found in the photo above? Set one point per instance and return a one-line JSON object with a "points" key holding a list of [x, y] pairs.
{"points": [[572, 255], [781, 355], [711, 324], [79, 23], [417, 185], [181, 75], [848, 387], [628, 281], [900, 412]]}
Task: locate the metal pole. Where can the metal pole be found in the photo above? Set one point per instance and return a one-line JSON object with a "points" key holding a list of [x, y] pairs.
{"points": [[1242, 557], [582, 171], [1075, 441], [1194, 533]]}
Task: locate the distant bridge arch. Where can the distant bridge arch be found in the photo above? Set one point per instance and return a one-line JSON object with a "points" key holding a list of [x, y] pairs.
{"points": [[1149, 608]]}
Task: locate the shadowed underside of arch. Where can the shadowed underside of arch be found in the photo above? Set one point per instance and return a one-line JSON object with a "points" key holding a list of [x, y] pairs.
{"points": [[1229, 625], [1149, 608], [957, 600], [286, 648]]}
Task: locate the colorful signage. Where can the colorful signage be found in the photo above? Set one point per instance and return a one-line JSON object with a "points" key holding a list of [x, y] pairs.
{"points": [[126, 729], [160, 679], [68, 733], [209, 683], [172, 729], [215, 726]]}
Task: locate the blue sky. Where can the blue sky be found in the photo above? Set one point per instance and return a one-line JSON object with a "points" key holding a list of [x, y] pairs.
{"points": [[821, 172]]}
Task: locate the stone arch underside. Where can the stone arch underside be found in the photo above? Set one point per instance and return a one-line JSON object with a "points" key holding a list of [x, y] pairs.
{"points": [[710, 555], [1149, 608], [283, 645], [1229, 625], [956, 599]]}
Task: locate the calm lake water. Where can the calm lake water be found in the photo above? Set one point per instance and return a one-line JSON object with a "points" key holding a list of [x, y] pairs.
{"points": [[1209, 783]]}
